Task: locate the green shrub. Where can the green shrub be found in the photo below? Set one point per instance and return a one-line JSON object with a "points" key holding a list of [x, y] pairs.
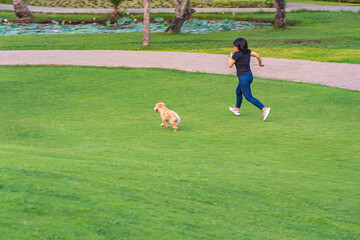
{"points": [[154, 3], [269, 3], [6, 1], [241, 3]]}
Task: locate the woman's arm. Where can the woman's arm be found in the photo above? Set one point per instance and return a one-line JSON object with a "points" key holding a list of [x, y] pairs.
{"points": [[254, 54], [231, 61]]}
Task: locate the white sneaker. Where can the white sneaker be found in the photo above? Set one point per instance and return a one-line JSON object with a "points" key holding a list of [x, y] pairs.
{"points": [[234, 110], [266, 112]]}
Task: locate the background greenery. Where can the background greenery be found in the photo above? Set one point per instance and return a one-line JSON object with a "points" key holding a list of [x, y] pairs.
{"points": [[318, 36], [83, 157], [134, 3], [242, 3]]}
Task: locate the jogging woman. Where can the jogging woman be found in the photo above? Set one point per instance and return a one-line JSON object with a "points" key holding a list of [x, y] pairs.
{"points": [[241, 58]]}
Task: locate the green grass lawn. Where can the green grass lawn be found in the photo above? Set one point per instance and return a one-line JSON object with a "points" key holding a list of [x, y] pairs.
{"points": [[83, 156], [318, 36]]}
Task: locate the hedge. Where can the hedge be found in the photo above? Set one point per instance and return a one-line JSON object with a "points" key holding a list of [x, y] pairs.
{"points": [[242, 3]]}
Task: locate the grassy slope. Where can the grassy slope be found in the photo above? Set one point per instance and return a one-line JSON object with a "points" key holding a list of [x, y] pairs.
{"points": [[321, 36], [83, 157]]}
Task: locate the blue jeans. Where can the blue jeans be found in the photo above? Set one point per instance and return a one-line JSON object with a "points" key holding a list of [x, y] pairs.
{"points": [[244, 89]]}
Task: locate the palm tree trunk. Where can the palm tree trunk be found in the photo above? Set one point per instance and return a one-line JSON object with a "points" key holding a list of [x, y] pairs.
{"points": [[146, 32], [21, 10]]}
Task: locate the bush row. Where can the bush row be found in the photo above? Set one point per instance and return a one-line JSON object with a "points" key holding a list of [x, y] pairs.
{"points": [[215, 3], [6, 1], [242, 3], [228, 3]]}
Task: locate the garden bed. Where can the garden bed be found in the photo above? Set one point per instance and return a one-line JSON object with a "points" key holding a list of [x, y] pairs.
{"points": [[125, 24]]}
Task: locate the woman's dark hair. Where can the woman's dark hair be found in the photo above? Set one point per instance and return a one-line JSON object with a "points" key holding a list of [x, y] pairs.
{"points": [[241, 44]]}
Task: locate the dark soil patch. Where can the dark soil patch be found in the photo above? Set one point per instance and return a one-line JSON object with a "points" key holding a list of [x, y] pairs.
{"points": [[242, 19], [305, 41]]}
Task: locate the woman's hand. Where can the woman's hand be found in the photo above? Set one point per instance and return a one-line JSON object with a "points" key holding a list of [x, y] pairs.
{"points": [[261, 65], [232, 53]]}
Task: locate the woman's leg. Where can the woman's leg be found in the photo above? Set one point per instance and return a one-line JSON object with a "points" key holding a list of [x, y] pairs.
{"points": [[239, 96], [244, 83]]}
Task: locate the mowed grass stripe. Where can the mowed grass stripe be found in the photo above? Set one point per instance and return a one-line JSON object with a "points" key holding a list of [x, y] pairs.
{"points": [[83, 156]]}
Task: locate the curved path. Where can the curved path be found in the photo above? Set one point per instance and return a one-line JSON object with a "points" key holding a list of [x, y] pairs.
{"points": [[289, 7], [340, 75]]}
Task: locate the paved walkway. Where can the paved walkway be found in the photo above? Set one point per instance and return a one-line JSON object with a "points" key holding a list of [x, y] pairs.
{"points": [[340, 75], [289, 7]]}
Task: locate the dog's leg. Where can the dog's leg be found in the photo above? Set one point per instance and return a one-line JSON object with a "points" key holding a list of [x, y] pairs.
{"points": [[174, 125], [164, 124]]}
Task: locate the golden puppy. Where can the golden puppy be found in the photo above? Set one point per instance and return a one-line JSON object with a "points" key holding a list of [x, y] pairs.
{"points": [[167, 116]]}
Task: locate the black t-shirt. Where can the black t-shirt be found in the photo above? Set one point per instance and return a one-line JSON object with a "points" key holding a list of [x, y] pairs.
{"points": [[242, 62]]}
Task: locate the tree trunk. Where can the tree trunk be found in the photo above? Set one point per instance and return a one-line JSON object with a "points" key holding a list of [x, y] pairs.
{"points": [[21, 10], [280, 14], [116, 11], [183, 12], [146, 31]]}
